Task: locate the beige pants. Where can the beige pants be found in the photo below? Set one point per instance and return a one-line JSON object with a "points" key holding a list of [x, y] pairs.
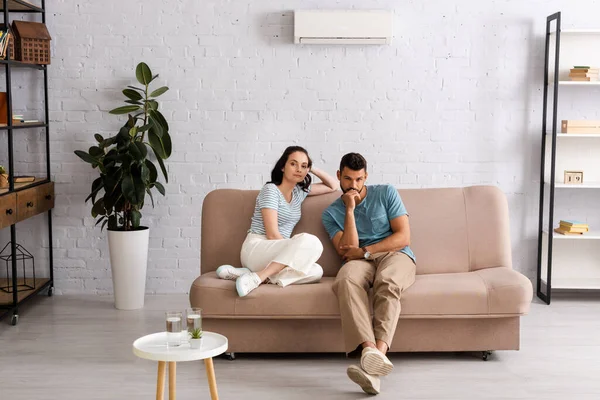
{"points": [[299, 253], [388, 273]]}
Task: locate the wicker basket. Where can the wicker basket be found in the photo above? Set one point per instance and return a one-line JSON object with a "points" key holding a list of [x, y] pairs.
{"points": [[32, 42]]}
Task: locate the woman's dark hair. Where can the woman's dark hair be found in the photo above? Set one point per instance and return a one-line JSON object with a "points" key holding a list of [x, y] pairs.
{"points": [[277, 172], [354, 161]]}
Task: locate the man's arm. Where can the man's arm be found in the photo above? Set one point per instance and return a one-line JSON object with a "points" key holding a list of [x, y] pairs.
{"points": [[399, 239], [349, 237]]}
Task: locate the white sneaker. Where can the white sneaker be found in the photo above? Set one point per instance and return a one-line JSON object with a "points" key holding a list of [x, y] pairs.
{"points": [[374, 362], [247, 283], [230, 272], [368, 383]]}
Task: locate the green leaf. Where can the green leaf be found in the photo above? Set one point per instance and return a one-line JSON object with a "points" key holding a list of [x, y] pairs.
{"points": [[133, 189], [95, 151], [151, 197], [128, 189], [132, 94], [133, 132], [152, 104], [160, 187], [98, 208], [142, 148], [133, 102], [156, 144], [86, 157], [112, 222], [159, 91], [158, 117], [135, 152], [99, 220], [98, 138], [154, 77], [144, 128], [162, 166], [104, 224], [145, 173], [152, 170], [136, 216], [124, 110], [136, 88], [107, 142], [143, 73], [166, 140], [96, 186]]}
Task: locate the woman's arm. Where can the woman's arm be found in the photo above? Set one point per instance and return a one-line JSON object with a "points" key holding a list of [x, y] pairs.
{"points": [[329, 183], [269, 216]]}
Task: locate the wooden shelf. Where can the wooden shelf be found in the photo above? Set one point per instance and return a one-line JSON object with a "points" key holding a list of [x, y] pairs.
{"points": [[20, 6], [590, 185], [24, 185], [7, 298]]}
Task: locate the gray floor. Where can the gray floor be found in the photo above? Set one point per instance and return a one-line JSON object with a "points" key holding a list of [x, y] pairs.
{"points": [[80, 348]]}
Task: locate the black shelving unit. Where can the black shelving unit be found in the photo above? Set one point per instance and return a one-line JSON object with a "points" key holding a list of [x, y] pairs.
{"points": [[8, 7]]}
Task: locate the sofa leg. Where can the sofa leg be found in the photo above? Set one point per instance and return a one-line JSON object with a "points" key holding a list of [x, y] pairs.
{"points": [[229, 356], [485, 355]]}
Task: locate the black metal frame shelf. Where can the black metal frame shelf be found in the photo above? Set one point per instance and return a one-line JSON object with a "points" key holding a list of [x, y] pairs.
{"points": [[21, 6], [550, 137]]}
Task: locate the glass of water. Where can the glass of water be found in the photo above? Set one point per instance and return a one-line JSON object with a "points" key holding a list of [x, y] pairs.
{"points": [[174, 323], [194, 319]]}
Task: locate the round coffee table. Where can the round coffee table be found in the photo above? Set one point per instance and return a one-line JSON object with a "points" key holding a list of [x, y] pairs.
{"points": [[154, 347]]}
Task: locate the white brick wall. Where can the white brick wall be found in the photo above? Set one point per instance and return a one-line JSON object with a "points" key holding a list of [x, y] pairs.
{"points": [[455, 100]]}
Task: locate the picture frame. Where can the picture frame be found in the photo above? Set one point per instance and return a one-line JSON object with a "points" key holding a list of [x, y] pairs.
{"points": [[573, 177]]}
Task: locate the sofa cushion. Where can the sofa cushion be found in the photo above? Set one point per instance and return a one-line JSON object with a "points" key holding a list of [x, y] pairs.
{"points": [[492, 291]]}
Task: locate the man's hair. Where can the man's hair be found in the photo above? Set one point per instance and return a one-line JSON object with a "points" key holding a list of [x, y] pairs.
{"points": [[354, 161]]}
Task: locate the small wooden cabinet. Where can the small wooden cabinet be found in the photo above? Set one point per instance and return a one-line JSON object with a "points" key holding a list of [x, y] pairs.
{"points": [[26, 203]]}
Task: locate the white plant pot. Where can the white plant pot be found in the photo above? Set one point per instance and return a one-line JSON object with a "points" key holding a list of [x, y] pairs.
{"points": [[195, 343], [128, 261]]}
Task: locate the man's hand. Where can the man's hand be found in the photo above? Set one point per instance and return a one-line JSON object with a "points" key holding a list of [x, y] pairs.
{"points": [[350, 198], [352, 253]]}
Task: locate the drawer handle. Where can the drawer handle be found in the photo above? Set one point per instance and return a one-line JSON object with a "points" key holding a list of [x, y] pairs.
{"points": [[48, 197], [30, 204], [9, 211]]}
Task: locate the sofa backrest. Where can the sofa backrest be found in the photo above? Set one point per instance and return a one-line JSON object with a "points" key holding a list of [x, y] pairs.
{"points": [[452, 229]]}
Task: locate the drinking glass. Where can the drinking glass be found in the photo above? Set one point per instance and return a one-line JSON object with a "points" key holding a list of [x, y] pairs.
{"points": [[174, 323], [194, 319]]}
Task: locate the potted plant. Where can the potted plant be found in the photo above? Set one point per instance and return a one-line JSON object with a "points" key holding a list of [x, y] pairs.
{"points": [[127, 175], [196, 338], [3, 177]]}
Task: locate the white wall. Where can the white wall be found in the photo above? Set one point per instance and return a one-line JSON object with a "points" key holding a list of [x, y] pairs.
{"points": [[455, 100]]}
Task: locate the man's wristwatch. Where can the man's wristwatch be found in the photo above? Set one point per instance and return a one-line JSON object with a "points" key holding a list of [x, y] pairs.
{"points": [[367, 254]]}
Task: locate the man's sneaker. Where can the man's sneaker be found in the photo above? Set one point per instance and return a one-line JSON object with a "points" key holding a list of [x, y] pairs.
{"points": [[369, 384], [230, 272], [374, 362], [247, 283]]}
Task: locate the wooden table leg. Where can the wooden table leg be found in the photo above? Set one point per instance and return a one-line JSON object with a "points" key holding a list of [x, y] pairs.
{"points": [[160, 381], [212, 381], [172, 380]]}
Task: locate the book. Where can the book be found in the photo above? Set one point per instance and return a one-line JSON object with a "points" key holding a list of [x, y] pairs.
{"points": [[580, 126], [557, 230], [571, 222], [585, 70], [24, 178]]}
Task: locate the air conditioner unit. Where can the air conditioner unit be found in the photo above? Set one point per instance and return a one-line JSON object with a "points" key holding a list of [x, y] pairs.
{"points": [[342, 27]]}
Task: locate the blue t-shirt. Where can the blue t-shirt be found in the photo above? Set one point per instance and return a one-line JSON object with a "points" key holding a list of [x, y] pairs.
{"points": [[373, 215]]}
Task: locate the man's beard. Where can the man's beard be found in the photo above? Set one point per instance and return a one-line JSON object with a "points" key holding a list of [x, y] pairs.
{"points": [[359, 191]]}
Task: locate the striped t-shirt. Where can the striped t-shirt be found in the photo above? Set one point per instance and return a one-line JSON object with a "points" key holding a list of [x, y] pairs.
{"points": [[288, 214]]}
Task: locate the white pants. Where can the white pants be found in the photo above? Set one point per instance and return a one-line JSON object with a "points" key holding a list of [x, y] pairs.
{"points": [[299, 254]]}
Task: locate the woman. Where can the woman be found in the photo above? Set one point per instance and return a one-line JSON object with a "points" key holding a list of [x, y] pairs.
{"points": [[269, 251]]}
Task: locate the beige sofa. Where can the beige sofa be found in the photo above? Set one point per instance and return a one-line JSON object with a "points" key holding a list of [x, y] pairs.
{"points": [[466, 296]]}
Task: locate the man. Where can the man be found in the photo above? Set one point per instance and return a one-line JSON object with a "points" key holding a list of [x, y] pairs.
{"points": [[370, 231]]}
